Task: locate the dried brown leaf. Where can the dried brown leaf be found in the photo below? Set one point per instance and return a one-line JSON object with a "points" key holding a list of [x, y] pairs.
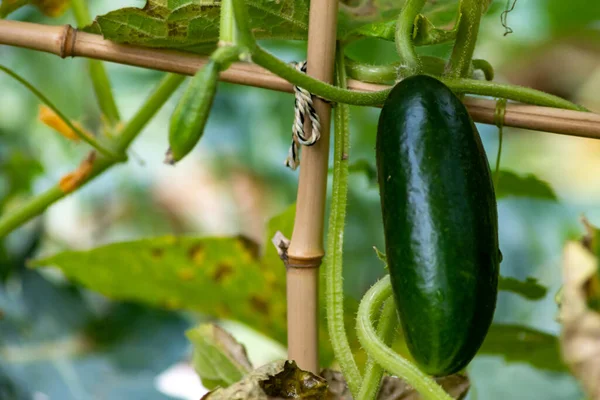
{"points": [[73, 180], [580, 336]]}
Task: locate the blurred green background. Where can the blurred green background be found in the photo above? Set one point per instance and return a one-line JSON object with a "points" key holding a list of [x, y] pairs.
{"points": [[234, 181]]}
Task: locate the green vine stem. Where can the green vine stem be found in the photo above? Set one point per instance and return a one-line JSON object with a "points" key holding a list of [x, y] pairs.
{"points": [[242, 22], [386, 330], [334, 291], [411, 64], [389, 72], [470, 12], [382, 354], [509, 92], [37, 205], [98, 74], [499, 120], [87, 138], [462, 86], [227, 24]]}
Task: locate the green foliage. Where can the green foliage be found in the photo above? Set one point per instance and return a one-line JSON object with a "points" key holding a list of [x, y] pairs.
{"points": [[54, 340], [193, 25], [218, 359], [529, 288], [512, 185], [521, 344]]}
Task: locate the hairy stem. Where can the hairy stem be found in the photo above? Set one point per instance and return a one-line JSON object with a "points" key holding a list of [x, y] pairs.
{"points": [[242, 22], [86, 138], [100, 81], [38, 204], [382, 354], [510, 92], [386, 330], [227, 25], [411, 64], [334, 290], [315, 86], [470, 12]]}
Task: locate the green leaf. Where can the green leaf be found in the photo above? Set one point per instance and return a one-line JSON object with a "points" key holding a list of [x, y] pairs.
{"points": [[521, 344], [529, 289], [193, 25], [218, 358], [512, 185], [73, 344]]}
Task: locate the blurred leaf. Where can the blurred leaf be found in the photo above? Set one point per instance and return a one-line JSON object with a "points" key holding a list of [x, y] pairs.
{"points": [[280, 379], [363, 166], [521, 344], [193, 25], [529, 289], [51, 8], [512, 185], [48, 343], [218, 358], [18, 170], [580, 335]]}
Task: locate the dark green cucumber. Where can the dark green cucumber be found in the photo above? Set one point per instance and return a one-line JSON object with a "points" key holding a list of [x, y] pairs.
{"points": [[440, 223]]}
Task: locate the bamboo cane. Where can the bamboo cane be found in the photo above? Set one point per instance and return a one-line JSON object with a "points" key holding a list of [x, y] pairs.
{"points": [[306, 246], [66, 42]]}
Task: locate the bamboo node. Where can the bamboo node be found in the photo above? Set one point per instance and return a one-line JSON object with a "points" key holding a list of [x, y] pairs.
{"points": [[282, 244], [67, 42]]}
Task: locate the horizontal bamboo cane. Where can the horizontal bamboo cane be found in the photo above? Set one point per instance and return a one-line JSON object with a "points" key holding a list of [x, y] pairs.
{"points": [[67, 42]]}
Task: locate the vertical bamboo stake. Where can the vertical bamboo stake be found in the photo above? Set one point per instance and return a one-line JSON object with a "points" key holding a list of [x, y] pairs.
{"points": [[306, 247]]}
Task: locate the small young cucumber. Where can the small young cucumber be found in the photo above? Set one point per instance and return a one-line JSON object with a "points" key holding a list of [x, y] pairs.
{"points": [[440, 223], [192, 111]]}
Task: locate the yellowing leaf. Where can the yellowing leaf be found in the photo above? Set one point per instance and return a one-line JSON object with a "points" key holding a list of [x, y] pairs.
{"points": [[51, 119], [73, 180]]}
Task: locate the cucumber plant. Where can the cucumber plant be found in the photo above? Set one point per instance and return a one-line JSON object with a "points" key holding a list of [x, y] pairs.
{"points": [[438, 203]]}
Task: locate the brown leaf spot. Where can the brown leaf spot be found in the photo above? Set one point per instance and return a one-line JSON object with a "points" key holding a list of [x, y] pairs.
{"points": [[222, 271], [197, 254], [222, 310], [259, 304], [249, 246], [186, 274], [157, 252], [173, 303]]}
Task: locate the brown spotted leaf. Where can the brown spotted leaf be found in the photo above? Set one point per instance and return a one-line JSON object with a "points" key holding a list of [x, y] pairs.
{"points": [[580, 335], [218, 358], [224, 277]]}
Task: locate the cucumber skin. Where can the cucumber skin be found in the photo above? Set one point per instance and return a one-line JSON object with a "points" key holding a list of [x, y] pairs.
{"points": [[440, 223]]}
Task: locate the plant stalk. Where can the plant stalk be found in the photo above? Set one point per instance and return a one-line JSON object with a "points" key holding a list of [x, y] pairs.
{"points": [[35, 206], [334, 288], [385, 356], [470, 12], [386, 330], [100, 81], [411, 64]]}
